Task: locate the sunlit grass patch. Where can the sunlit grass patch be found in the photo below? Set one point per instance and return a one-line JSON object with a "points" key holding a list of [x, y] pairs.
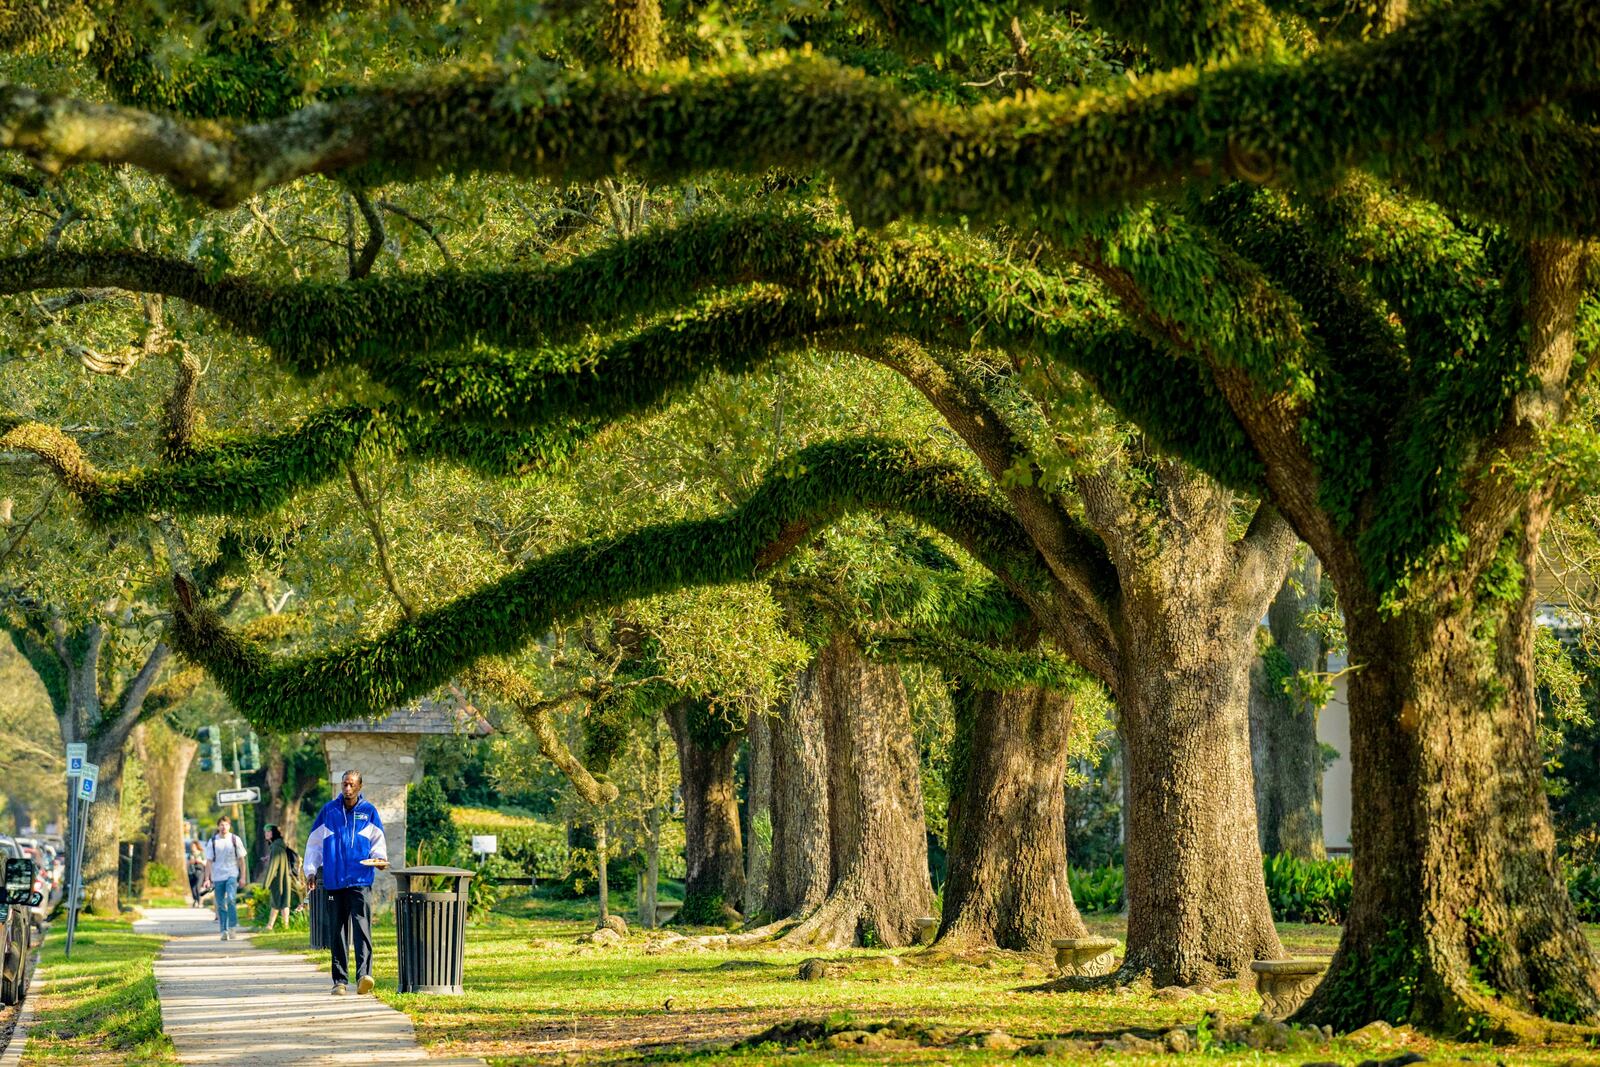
{"points": [[101, 1006], [534, 996]]}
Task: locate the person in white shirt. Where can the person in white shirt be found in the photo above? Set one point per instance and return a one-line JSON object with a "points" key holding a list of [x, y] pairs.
{"points": [[225, 866]]}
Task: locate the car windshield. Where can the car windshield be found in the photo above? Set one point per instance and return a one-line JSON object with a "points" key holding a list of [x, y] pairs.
{"points": [[11, 848]]}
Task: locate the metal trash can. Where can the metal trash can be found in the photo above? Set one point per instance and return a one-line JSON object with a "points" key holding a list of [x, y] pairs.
{"points": [[430, 928], [319, 917]]}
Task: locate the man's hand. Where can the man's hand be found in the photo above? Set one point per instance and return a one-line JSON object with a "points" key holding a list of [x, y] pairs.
{"points": [[382, 865]]}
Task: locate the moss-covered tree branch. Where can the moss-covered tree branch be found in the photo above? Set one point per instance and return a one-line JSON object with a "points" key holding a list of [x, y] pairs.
{"points": [[800, 495], [1274, 118], [251, 475]]}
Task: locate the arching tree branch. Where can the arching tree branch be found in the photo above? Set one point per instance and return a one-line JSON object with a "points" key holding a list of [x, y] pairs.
{"points": [[811, 488], [1262, 119]]}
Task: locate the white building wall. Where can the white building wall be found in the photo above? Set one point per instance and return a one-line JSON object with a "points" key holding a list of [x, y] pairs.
{"points": [[1333, 728]]}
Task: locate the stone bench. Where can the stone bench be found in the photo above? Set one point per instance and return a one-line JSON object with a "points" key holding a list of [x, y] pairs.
{"points": [[1284, 985], [666, 911], [1085, 957], [927, 929]]}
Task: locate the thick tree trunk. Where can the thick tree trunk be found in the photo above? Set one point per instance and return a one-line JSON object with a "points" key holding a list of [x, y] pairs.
{"points": [[801, 865], [1007, 838], [878, 842], [713, 850], [758, 804], [170, 759], [103, 833], [1460, 920], [1197, 899], [1283, 731]]}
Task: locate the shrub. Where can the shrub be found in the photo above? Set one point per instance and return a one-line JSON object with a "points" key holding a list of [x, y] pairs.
{"points": [[528, 845], [429, 824], [158, 876], [1308, 891], [1583, 885], [1097, 890]]}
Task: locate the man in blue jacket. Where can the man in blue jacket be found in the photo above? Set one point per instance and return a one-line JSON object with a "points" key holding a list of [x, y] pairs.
{"points": [[345, 848]]}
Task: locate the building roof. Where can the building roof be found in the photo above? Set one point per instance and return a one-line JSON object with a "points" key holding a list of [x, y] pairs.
{"points": [[423, 717]]}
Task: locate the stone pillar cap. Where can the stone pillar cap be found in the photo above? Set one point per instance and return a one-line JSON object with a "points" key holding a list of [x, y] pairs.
{"points": [[1289, 966], [1084, 942]]}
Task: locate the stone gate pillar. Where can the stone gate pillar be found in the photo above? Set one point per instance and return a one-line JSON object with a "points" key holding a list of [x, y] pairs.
{"points": [[385, 752]]}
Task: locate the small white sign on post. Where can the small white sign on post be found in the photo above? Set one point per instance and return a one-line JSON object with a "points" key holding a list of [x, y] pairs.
{"points": [[88, 783], [77, 755], [244, 795], [485, 844]]}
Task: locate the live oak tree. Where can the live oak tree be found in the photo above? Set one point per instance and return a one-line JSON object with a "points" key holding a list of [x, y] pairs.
{"points": [[1337, 263]]}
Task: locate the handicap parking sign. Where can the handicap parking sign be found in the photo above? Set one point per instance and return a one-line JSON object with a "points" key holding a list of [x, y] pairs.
{"points": [[77, 756], [88, 783]]}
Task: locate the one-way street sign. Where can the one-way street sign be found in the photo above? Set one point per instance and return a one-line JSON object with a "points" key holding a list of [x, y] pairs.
{"points": [[248, 795]]}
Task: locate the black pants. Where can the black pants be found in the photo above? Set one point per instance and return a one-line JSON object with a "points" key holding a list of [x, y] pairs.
{"points": [[349, 914]]}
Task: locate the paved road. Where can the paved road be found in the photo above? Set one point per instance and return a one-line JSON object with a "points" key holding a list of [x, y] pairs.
{"points": [[228, 1002]]}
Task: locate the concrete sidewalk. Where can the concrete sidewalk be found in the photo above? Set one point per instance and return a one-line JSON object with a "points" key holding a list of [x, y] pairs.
{"points": [[228, 1002]]}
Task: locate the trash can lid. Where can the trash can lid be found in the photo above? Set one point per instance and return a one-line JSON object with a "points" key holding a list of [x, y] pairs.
{"points": [[429, 871]]}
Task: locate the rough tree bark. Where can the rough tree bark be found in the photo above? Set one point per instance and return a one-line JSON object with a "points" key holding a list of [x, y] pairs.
{"points": [[713, 849], [1284, 750], [1460, 917], [171, 755], [1192, 595], [1197, 901], [1008, 837], [800, 868], [878, 845]]}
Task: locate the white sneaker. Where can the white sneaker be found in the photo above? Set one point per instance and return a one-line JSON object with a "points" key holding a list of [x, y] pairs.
{"points": [[224, 935], [364, 984]]}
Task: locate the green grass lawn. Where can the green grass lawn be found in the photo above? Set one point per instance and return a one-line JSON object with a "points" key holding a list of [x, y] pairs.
{"points": [[534, 996], [100, 1007]]}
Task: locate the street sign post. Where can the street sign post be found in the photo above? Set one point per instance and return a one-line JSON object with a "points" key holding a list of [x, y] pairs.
{"points": [[248, 794], [88, 784]]}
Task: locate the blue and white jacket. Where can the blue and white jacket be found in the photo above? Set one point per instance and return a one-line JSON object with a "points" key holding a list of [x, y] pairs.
{"points": [[340, 839]]}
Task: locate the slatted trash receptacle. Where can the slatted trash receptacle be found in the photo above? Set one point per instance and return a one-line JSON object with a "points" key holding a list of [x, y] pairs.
{"points": [[431, 927], [318, 903]]}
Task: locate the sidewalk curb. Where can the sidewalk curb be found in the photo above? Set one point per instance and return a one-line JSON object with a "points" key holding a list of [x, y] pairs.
{"points": [[12, 1055]]}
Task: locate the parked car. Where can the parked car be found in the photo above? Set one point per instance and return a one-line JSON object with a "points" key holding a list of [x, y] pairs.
{"points": [[44, 880], [16, 932]]}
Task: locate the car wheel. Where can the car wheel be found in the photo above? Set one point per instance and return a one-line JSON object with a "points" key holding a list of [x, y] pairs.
{"points": [[11, 981]]}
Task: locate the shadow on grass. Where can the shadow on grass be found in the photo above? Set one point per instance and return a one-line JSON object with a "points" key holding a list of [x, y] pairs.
{"points": [[100, 1006]]}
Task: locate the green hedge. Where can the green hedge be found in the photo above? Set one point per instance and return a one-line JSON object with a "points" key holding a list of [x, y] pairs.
{"points": [[1299, 891], [527, 845], [1308, 891], [1097, 890]]}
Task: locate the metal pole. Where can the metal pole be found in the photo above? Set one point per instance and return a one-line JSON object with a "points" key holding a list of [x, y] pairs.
{"points": [[237, 781], [75, 881]]}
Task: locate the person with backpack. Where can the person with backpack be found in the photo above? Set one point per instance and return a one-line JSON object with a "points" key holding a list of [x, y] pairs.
{"points": [[281, 878], [345, 848], [225, 868], [197, 870]]}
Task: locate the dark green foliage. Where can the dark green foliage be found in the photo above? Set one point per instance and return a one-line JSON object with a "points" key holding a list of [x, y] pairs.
{"points": [[1299, 891], [1308, 891], [802, 493], [1583, 885], [429, 828], [703, 909], [1097, 889]]}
